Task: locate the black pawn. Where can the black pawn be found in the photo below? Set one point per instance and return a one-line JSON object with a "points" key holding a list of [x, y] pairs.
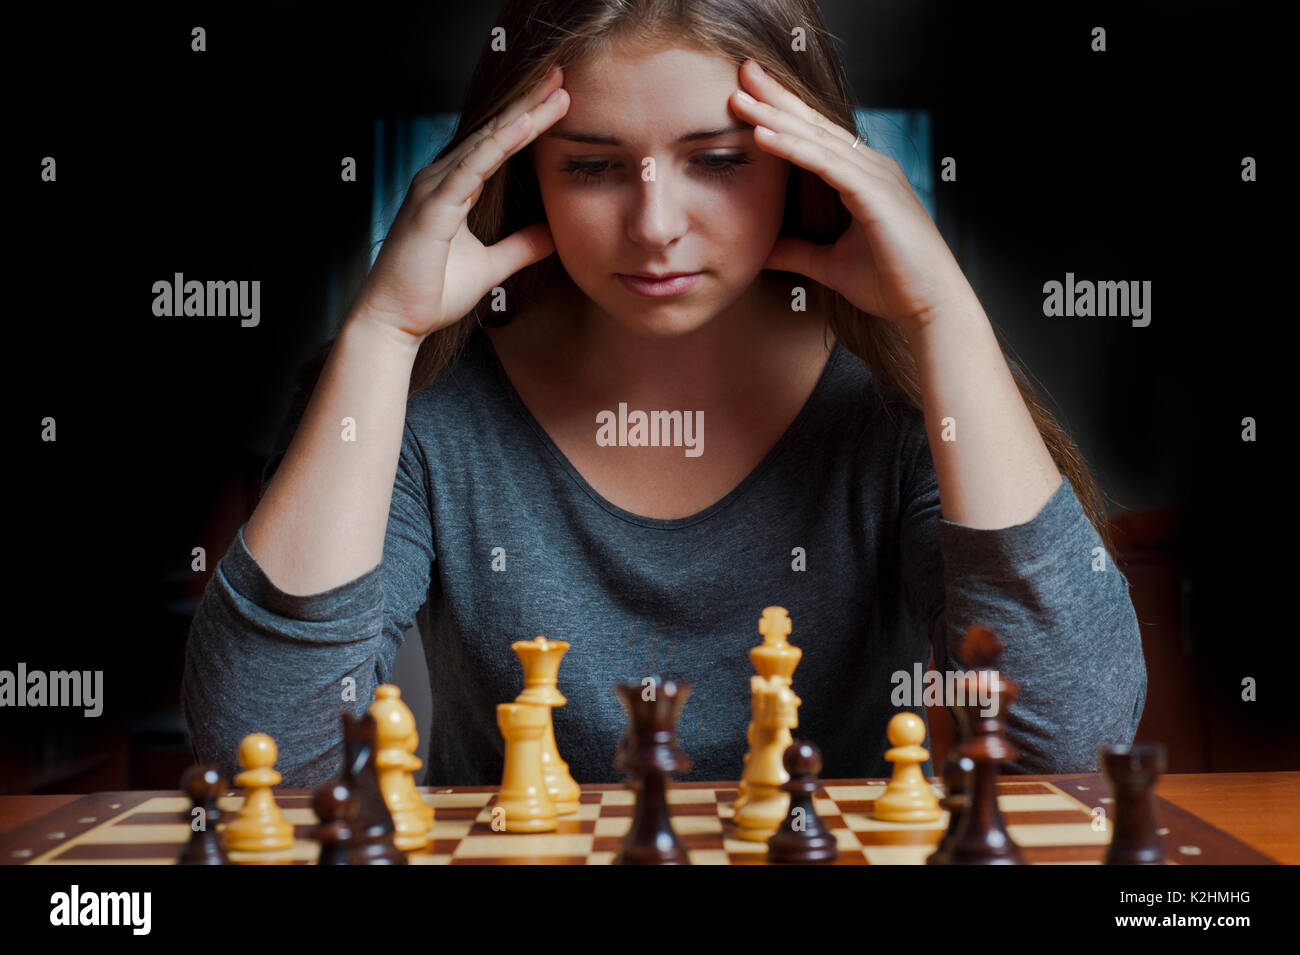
{"points": [[802, 836], [982, 838], [1132, 772], [203, 784], [335, 809], [958, 774]]}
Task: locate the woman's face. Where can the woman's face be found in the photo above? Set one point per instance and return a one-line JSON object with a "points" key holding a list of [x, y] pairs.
{"points": [[629, 188]]}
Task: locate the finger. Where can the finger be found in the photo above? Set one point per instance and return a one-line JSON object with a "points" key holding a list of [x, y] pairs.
{"points": [[544, 87], [846, 177], [529, 101], [464, 180], [441, 208], [768, 90], [791, 254], [764, 114], [483, 162], [530, 244]]}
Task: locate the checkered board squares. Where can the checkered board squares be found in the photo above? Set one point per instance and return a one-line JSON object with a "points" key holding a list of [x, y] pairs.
{"points": [[1050, 824], [1051, 817]]}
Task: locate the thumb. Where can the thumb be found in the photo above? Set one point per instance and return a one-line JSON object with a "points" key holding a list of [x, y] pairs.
{"points": [[530, 244], [790, 254]]}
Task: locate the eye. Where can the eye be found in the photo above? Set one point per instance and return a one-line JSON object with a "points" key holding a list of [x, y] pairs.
{"points": [[587, 172], [721, 166], [717, 166]]}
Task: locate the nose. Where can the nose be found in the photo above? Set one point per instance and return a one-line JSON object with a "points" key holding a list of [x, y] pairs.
{"points": [[658, 215]]}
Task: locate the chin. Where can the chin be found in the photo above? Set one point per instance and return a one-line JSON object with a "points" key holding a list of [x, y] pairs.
{"points": [[660, 321]]}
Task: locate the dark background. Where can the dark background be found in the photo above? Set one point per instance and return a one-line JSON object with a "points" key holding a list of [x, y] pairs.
{"points": [[1123, 165]]}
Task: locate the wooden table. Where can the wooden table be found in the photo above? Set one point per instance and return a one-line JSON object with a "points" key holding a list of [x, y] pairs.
{"points": [[1261, 810]]}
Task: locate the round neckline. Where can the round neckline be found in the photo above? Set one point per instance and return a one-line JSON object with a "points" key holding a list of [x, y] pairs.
{"points": [[814, 399]]}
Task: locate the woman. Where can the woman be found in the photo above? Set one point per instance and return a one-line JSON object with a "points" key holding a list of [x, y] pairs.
{"points": [[852, 444]]}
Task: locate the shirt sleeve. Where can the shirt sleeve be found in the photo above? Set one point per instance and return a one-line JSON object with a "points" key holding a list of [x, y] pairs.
{"points": [[1056, 600], [259, 659]]}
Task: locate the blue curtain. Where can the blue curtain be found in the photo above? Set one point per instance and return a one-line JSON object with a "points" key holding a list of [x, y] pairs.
{"points": [[903, 135], [404, 146]]}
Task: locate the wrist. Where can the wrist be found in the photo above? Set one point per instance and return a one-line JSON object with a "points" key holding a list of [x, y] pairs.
{"points": [[363, 324], [938, 320]]}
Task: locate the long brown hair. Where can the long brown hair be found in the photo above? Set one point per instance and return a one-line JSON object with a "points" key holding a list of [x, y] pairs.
{"points": [[538, 34]]}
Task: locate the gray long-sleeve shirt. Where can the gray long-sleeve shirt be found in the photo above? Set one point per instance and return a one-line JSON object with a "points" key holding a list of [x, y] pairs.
{"points": [[885, 580]]}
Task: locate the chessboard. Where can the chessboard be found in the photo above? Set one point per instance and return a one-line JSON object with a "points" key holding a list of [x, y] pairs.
{"points": [[1053, 818]]}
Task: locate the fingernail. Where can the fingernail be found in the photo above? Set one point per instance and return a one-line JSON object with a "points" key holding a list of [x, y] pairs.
{"points": [[759, 68], [745, 97], [554, 96]]}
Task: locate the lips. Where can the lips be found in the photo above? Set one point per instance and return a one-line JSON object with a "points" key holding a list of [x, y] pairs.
{"points": [[657, 285]]}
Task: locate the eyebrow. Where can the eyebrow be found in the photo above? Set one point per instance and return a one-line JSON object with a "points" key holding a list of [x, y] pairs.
{"points": [[598, 140]]}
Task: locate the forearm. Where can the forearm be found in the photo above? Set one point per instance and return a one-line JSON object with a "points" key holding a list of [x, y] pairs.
{"points": [[992, 467], [323, 518]]}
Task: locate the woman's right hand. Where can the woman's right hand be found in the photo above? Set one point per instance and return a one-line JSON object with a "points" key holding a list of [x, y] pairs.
{"points": [[431, 269]]}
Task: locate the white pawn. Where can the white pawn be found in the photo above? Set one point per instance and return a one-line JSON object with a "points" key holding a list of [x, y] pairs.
{"points": [[907, 798], [259, 825]]}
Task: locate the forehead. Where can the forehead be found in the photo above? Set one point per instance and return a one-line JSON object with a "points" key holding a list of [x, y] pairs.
{"points": [[632, 67], [661, 91]]}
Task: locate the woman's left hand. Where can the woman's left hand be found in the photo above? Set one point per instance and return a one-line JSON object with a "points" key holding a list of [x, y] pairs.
{"points": [[891, 261]]}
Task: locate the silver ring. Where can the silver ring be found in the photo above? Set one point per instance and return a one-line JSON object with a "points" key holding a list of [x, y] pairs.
{"points": [[856, 141]]}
